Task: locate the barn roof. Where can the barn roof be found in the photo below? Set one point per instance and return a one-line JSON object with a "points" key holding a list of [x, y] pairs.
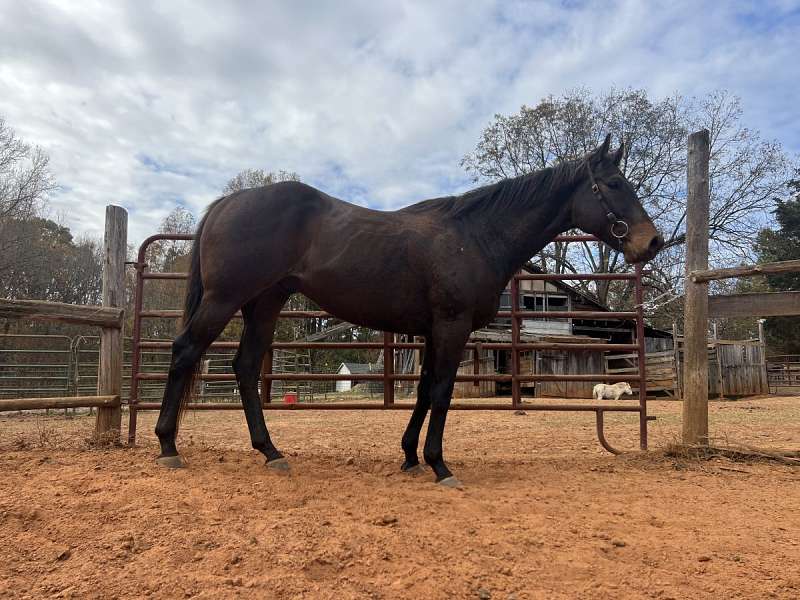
{"points": [[361, 368]]}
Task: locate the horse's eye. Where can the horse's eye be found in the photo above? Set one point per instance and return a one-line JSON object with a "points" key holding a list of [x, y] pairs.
{"points": [[613, 184]]}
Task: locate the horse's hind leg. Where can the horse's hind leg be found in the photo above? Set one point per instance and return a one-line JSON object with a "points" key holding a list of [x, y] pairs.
{"points": [[260, 316], [202, 329]]}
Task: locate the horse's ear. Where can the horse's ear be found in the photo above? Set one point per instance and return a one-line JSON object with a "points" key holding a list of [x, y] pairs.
{"points": [[606, 145], [600, 153], [617, 157]]}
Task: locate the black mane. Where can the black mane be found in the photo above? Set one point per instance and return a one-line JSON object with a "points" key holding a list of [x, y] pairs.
{"points": [[505, 195]]}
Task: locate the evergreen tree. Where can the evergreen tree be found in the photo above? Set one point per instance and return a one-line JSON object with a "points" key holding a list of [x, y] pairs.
{"points": [[783, 333]]}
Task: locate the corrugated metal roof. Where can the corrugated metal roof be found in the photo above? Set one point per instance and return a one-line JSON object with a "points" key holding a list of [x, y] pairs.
{"points": [[361, 368]]}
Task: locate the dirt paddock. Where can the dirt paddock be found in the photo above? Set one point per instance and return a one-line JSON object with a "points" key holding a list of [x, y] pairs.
{"points": [[545, 513]]}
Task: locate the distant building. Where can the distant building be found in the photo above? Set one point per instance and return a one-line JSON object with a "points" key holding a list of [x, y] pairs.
{"points": [[547, 297], [349, 368]]}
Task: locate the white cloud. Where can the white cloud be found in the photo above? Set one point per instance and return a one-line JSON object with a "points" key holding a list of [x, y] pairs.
{"points": [[147, 106]]}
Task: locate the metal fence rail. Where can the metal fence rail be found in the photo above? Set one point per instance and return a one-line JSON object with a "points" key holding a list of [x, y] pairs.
{"points": [[783, 371], [36, 365], [140, 376]]}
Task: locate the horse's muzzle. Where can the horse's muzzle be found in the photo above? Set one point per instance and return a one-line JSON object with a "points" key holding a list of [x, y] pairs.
{"points": [[639, 252]]}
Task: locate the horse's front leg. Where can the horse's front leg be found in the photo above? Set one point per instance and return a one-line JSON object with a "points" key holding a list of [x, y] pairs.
{"points": [[410, 441], [449, 338]]}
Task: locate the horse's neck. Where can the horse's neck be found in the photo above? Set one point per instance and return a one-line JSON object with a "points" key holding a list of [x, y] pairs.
{"points": [[510, 237]]}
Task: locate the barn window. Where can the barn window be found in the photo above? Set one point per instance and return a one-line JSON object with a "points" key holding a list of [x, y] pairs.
{"points": [[545, 303]]}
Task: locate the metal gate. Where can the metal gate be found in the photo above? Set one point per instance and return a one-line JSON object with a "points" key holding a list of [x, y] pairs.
{"points": [[389, 345], [783, 371], [36, 365]]}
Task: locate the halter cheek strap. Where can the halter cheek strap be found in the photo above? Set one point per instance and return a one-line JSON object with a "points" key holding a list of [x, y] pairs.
{"points": [[619, 228]]}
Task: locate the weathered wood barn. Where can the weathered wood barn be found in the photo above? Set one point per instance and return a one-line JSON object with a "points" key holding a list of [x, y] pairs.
{"points": [[556, 296]]}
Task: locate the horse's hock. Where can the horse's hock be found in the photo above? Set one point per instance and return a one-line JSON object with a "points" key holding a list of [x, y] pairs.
{"points": [[390, 344]]}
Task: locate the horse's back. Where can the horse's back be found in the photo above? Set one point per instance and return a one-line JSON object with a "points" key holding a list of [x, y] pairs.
{"points": [[252, 237]]}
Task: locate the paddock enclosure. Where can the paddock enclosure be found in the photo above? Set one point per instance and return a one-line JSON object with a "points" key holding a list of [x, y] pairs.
{"points": [[546, 511]]}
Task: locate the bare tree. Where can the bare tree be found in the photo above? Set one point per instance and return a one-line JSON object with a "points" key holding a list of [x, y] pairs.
{"points": [[25, 183], [170, 256], [250, 178], [746, 171], [55, 267], [179, 220]]}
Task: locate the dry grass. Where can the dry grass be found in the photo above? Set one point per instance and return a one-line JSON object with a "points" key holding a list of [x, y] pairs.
{"points": [[733, 451]]}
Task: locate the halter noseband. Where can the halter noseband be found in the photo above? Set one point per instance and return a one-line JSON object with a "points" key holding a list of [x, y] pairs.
{"points": [[619, 228]]}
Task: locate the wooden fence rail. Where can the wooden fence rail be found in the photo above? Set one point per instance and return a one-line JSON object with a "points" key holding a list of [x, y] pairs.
{"points": [[59, 402], [704, 275], [760, 304], [76, 314]]}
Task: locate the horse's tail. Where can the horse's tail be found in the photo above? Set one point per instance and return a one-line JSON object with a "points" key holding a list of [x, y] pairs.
{"points": [[194, 295], [194, 283]]}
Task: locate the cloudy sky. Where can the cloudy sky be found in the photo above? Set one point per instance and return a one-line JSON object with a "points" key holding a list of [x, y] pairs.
{"points": [[153, 104]]}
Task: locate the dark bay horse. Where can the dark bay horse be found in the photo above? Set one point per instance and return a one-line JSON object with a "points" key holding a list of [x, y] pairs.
{"points": [[434, 269]]}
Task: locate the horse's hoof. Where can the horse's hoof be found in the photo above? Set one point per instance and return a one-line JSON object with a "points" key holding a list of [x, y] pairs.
{"points": [[450, 482], [278, 464], [416, 469], [171, 462]]}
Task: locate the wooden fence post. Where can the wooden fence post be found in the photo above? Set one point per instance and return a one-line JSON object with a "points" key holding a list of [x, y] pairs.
{"points": [[109, 376], [762, 341], [695, 329]]}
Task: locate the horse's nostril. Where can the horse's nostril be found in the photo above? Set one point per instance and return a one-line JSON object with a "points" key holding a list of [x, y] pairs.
{"points": [[656, 243]]}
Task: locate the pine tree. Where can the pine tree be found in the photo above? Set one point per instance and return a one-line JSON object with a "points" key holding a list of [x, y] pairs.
{"points": [[783, 333]]}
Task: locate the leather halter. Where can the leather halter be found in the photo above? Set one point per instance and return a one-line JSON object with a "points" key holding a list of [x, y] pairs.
{"points": [[619, 228]]}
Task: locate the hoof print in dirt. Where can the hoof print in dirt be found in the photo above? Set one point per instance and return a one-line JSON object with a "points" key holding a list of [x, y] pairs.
{"points": [[280, 465], [170, 462], [450, 482]]}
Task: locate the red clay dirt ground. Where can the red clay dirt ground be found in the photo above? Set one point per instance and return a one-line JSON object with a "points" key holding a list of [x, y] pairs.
{"points": [[545, 513]]}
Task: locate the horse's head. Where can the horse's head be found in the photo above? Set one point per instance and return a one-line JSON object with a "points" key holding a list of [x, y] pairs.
{"points": [[628, 389], [606, 205]]}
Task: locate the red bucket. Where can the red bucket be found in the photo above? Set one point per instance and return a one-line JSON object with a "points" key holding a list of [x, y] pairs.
{"points": [[290, 398]]}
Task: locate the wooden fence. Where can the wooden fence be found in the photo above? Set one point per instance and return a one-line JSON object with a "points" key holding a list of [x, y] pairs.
{"points": [[469, 389], [558, 362], [699, 307], [109, 317], [737, 368], [661, 370]]}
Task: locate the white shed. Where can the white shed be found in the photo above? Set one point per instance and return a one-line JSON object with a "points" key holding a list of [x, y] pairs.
{"points": [[347, 368]]}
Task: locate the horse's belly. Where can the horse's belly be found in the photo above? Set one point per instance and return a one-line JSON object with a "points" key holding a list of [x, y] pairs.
{"points": [[372, 303]]}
